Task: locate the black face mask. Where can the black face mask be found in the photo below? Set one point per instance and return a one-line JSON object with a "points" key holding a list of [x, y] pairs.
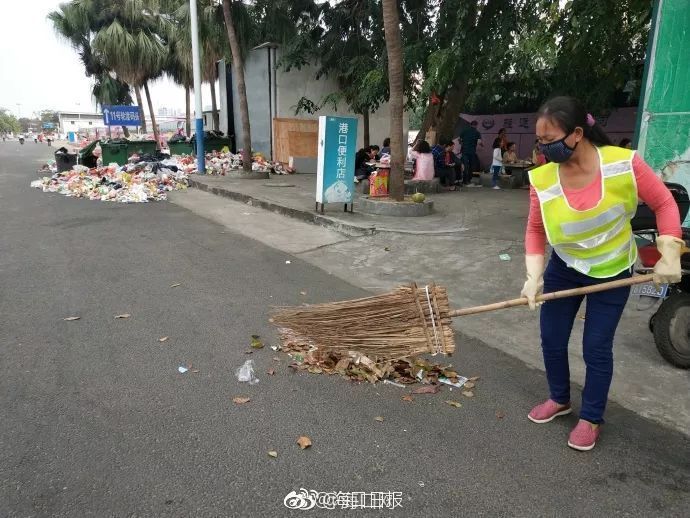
{"points": [[557, 151]]}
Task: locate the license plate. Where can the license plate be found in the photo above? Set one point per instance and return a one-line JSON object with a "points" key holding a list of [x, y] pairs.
{"points": [[650, 290]]}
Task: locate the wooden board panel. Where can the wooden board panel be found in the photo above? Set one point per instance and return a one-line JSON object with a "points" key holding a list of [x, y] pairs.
{"points": [[295, 137]]}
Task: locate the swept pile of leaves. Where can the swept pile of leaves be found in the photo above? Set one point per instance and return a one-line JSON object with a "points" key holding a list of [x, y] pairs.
{"points": [[309, 357]]}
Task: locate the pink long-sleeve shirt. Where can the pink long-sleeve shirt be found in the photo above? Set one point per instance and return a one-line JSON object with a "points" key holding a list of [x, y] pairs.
{"points": [[650, 189]]}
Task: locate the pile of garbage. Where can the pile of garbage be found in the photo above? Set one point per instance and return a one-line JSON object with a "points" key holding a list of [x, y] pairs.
{"points": [[138, 182], [307, 356], [219, 163]]}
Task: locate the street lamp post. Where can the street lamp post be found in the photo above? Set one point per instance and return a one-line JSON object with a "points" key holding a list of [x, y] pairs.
{"points": [[199, 120]]}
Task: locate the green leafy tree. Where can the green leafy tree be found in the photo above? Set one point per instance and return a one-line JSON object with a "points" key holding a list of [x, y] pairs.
{"points": [[8, 122]]}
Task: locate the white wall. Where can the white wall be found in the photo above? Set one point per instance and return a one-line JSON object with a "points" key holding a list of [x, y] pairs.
{"points": [[295, 84], [76, 124]]}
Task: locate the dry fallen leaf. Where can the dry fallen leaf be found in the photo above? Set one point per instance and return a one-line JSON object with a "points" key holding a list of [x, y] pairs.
{"points": [[315, 370], [273, 454], [70, 319], [468, 393], [175, 285], [256, 343], [195, 370], [163, 339], [500, 414], [304, 441], [379, 419], [456, 404], [302, 292], [276, 359], [469, 385], [271, 372], [427, 389], [474, 378], [248, 352], [408, 397], [124, 315], [239, 400]]}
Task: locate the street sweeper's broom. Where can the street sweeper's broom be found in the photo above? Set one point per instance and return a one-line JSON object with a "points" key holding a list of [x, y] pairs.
{"points": [[406, 322]]}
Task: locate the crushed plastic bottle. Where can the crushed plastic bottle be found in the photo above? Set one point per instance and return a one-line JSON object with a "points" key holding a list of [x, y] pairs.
{"points": [[246, 373]]}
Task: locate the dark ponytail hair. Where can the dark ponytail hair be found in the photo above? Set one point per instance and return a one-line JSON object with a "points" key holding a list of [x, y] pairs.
{"points": [[569, 113]]}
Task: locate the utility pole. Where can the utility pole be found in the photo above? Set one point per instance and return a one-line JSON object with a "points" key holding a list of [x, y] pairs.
{"points": [[199, 111]]}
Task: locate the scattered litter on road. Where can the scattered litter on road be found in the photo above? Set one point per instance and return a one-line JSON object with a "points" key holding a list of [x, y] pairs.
{"points": [[275, 348], [469, 385], [421, 484], [379, 419], [304, 442], [303, 293], [500, 414], [427, 389], [175, 285], [359, 367], [408, 397], [468, 393], [245, 373], [256, 343], [273, 454], [504, 257], [182, 369], [271, 372], [163, 339], [124, 315], [453, 403], [288, 262], [239, 400], [71, 319], [457, 384]]}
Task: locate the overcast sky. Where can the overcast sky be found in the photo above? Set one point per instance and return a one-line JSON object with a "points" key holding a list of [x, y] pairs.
{"points": [[40, 71]]}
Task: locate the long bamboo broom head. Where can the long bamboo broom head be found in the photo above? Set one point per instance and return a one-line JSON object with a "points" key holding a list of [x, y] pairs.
{"points": [[406, 322]]}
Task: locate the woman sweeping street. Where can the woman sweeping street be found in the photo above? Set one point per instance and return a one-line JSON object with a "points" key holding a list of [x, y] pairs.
{"points": [[582, 202]]}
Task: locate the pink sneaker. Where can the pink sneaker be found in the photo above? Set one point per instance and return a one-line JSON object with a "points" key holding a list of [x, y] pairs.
{"points": [[548, 411], [584, 436]]}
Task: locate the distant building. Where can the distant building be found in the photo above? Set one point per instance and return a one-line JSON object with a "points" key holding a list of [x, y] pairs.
{"points": [[75, 122]]}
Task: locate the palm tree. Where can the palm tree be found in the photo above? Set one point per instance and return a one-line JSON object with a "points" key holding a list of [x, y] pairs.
{"points": [[391, 23], [131, 43], [75, 21], [238, 68], [179, 68]]}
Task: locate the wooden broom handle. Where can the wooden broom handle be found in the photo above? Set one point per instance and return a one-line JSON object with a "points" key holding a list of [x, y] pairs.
{"points": [[595, 288]]}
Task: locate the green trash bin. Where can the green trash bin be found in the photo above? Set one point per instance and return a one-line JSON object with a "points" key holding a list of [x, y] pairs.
{"points": [[140, 147], [117, 152], [181, 148]]}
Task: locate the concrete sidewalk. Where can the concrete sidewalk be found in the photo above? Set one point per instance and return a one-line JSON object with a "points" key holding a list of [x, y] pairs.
{"points": [[459, 247]]}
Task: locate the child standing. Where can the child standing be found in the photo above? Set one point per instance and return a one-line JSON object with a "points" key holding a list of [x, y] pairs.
{"points": [[497, 163]]}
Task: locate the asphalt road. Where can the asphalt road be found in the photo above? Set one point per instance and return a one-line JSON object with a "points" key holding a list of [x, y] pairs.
{"points": [[97, 421]]}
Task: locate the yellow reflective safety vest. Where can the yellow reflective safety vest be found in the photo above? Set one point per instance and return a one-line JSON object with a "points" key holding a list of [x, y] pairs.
{"points": [[598, 242]]}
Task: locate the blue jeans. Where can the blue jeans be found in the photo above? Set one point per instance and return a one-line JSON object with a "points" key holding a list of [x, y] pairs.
{"points": [[603, 313], [496, 170]]}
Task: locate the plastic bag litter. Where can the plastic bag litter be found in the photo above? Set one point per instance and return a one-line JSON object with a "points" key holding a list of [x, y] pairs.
{"points": [[245, 373]]}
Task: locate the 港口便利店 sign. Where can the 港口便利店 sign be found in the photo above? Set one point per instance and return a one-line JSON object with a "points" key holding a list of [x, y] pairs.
{"points": [[335, 179]]}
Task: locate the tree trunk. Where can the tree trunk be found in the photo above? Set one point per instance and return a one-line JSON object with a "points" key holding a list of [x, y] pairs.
{"points": [[142, 113], [430, 120], [365, 124], [391, 24], [187, 111], [125, 130], [238, 69], [214, 106], [156, 135], [451, 111]]}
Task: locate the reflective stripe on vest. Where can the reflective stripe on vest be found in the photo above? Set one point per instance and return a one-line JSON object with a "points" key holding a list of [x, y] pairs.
{"points": [[599, 241]]}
